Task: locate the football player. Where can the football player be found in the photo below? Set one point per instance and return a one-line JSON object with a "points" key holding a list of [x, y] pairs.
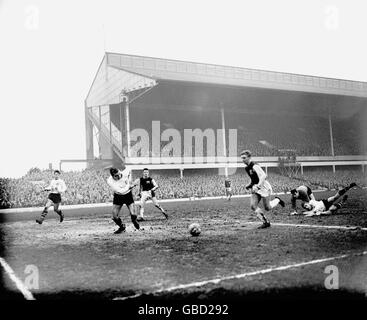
{"points": [[260, 189], [120, 183], [147, 188], [56, 187], [327, 206], [302, 193], [227, 185]]}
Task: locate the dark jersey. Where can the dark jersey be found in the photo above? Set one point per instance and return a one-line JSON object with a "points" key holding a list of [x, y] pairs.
{"points": [[304, 194], [252, 173], [227, 184], [146, 184]]}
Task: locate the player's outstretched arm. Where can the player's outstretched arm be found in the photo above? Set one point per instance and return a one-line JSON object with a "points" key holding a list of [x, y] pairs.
{"points": [[155, 185], [48, 187]]}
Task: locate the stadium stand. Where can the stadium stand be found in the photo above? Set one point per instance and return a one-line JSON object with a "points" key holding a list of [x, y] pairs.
{"points": [[264, 134]]}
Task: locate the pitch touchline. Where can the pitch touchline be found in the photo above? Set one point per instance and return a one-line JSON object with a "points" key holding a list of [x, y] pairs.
{"points": [[312, 226], [244, 275], [22, 288]]}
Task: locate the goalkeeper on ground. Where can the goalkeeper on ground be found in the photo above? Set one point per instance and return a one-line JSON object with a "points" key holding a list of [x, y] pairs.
{"points": [[302, 193]]}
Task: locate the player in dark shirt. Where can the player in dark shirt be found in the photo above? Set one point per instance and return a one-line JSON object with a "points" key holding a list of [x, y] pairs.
{"points": [[260, 189], [147, 192], [302, 193]]}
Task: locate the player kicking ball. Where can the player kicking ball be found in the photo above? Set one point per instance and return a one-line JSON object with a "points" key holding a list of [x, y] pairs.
{"points": [[147, 186], [120, 183], [327, 206], [260, 189], [56, 187]]}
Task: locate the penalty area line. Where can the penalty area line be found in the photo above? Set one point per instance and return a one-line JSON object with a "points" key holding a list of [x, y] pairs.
{"points": [[19, 284], [244, 275]]}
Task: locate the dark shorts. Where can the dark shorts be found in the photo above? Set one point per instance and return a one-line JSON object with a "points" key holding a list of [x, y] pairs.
{"points": [[327, 204], [55, 197], [121, 199]]}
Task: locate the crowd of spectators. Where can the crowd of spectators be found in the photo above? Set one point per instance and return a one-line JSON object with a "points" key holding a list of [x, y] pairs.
{"points": [[264, 134], [89, 186]]}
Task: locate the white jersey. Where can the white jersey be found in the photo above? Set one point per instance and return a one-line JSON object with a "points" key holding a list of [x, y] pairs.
{"points": [[57, 186], [317, 206], [121, 186]]}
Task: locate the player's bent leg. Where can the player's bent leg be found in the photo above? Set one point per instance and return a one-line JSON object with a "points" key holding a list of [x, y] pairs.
{"points": [[337, 206], [344, 190], [268, 205], [58, 211], [133, 216], [255, 199], [142, 208], [115, 217], [48, 204], [260, 215], [115, 214], [157, 205]]}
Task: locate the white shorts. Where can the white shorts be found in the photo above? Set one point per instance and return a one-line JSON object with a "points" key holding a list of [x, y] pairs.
{"points": [[266, 190], [229, 189], [145, 196]]}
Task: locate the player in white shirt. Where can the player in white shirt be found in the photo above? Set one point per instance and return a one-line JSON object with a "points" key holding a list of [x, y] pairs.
{"points": [[56, 187], [326, 206], [121, 185]]}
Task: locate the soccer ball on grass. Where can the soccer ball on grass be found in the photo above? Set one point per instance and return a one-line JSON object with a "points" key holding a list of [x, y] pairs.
{"points": [[194, 229]]}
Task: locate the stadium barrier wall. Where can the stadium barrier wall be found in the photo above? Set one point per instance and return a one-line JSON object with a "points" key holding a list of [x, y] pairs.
{"points": [[109, 204]]}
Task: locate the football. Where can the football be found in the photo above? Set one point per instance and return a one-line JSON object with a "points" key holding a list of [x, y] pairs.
{"points": [[194, 229]]}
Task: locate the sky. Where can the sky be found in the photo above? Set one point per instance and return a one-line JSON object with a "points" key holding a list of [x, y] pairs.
{"points": [[50, 52]]}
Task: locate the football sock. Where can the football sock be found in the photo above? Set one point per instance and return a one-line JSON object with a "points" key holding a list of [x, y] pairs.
{"points": [[117, 221], [43, 214], [260, 215], [344, 190]]}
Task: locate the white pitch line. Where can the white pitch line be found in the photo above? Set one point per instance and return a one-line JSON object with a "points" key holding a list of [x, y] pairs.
{"points": [[21, 287], [245, 275], [312, 226]]}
